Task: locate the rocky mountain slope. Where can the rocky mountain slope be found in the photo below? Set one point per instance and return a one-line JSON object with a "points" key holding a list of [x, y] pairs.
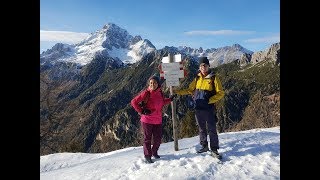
{"points": [[85, 102]]}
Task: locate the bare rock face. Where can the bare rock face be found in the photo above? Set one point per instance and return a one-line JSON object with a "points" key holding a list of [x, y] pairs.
{"points": [[245, 59], [272, 54]]}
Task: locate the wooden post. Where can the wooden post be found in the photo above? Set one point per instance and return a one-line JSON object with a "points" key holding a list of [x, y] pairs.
{"points": [[173, 108]]}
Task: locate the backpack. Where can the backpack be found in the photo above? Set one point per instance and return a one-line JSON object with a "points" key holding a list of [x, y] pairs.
{"points": [[190, 102], [144, 102]]}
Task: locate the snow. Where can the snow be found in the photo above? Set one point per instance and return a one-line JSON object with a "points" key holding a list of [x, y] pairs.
{"points": [[85, 51], [139, 50], [251, 154]]}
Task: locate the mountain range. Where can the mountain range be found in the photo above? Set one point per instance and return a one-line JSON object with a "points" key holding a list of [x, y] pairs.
{"points": [[86, 88], [115, 42]]}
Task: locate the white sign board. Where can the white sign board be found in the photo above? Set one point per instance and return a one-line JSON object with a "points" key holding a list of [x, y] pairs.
{"points": [[174, 74], [165, 59], [172, 82], [170, 66], [171, 70], [176, 58]]}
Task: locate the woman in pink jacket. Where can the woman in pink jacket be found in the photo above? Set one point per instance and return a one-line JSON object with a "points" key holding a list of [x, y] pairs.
{"points": [[151, 116]]}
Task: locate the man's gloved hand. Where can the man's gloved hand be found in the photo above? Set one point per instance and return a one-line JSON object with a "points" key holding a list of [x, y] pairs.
{"points": [[173, 96], [146, 111]]}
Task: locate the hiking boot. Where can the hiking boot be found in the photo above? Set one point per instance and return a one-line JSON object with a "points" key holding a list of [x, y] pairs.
{"points": [[203, 149], [215, 153], [148, 159], [156, 156]]}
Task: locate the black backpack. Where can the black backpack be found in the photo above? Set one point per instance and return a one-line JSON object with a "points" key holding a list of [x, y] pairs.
{"points": [[144, 102]]}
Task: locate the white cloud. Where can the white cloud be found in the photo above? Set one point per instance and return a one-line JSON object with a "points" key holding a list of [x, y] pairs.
{"points": [[219, 32], [62, 36], [270, 39]]}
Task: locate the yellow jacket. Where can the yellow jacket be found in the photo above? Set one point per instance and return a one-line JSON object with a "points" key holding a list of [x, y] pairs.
{"points": [[203, 84]]}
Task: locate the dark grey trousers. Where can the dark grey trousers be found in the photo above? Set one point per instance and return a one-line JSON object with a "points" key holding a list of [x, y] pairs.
{"points": [[206, 118]]}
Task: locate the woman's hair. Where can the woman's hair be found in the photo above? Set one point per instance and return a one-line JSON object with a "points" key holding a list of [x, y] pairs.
{"points": [[156, 78]]}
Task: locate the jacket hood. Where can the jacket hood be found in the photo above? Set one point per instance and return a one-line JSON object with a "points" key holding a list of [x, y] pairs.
{"points": [[210, 74]]}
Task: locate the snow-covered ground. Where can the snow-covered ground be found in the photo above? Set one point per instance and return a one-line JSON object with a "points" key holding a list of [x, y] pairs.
{"points": [[251, 154]]}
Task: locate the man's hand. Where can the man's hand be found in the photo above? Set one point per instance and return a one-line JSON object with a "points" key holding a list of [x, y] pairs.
{"points": [[173, 96]]}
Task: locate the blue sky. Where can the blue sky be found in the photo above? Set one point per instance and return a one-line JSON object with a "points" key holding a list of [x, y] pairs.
{"points": [[253, 24]]}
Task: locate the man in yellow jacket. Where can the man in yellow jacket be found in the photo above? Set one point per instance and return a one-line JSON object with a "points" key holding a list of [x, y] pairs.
{"points": [[206, 89]]}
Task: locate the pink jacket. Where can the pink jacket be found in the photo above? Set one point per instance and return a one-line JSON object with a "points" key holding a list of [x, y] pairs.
{"points": [[155, 103]]}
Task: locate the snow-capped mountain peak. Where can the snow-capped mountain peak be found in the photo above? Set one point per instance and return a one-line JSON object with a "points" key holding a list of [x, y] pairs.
{"points": [[110, 41]]}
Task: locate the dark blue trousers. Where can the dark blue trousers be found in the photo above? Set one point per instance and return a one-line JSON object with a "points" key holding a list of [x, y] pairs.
{"points": [[207, 118]]}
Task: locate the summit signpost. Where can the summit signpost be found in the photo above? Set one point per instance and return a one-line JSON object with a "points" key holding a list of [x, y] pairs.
{"points": [[171, 70]]}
